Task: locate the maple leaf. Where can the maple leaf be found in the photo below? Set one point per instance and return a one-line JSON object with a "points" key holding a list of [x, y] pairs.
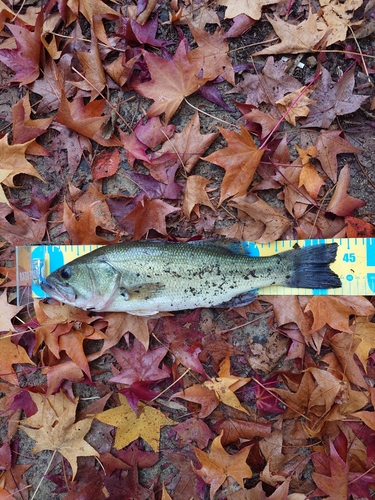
{"points": [[105, 164], [92, 69], [25, 231], [8, 311], [296, 39], [12, 157], [337, 16], [195, 195], [193, 430], [24, 60], [171, 81], [332, 99], [332, 474], [341, 202], [266, 223], [215, 390], [94, 11], [309, 177], [54, 427], [218, 465], [188, 146], [213, 51], [130, 426], [25, 129], [11, 354], [240, 161], [150, 214], [296, 110], [252, 8], [335, 311], [86, 120]]}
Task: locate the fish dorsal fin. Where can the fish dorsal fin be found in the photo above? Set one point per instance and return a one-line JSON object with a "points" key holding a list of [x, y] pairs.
{"points": [[226, 246]]}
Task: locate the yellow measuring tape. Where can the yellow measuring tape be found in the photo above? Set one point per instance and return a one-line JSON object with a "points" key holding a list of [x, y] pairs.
{"points": [[355, 264]]}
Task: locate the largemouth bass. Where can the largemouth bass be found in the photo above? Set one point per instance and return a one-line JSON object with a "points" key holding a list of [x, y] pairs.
{"points": [[146, 277]]}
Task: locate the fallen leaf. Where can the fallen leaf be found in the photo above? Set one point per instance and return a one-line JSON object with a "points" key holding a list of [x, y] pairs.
{"points": [[25, 230], [341, 202], [150, 214], [332, 474], [330, 144], [92, 69], [337, 16], [213, 52], [12, 157], [252, 8], [195, 195], [171, 81], [295, 105], [218, 465], [188, 146], [105, 164], [240, 161], [11, 354], [193, 430], [296, 39], [335, 311], [332, 99], [54, 428], [130, 426], [309, 177]]}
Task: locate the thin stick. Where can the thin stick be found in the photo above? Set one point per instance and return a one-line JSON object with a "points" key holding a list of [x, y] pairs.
{"points": [[41, 480]]}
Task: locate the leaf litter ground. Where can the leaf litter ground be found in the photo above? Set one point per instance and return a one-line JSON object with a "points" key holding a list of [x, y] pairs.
{"points": [[99, 144]]}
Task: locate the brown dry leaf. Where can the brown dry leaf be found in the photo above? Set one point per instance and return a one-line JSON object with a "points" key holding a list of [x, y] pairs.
{"points": [[150, 214], [8, 311], [309, 177], [296, 39], [195, 195], [337, 15], [54, 428], [299, 108], [296, 199], [366, 331], [341, 202], [252, 8], [195, 14], [146, 425], [86, 120], [92, 69], [335, 311], [171, 81], [344, 345], [288, 310], [240, 161], [94, 11], [268, 224], [212, 54], [328, 145], [12, 157], [25, 231], [188, 145], [218, 465], [10, 355]]}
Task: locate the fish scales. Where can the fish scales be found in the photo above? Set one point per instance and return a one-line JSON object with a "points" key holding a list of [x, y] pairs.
{"points": [[147, 277]]}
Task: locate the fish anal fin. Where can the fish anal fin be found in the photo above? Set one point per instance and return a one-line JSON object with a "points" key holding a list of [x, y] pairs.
{"points": [[240, 300]]}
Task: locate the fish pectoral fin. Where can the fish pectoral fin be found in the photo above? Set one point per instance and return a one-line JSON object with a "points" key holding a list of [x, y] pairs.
{"points": [[240, 300], [141, 292]]}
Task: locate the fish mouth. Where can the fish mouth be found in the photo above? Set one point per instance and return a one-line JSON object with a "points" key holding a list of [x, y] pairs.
{"points": [[57, 291]]}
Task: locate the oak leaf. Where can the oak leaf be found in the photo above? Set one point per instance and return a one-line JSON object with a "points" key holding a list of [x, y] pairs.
{"points": [[195, 195], [146, 425], [54, 428], [150, 214], [332, 99], [171, 81], [296, 39], [240, 161], [252, 8], [341, 202], [218, 465]]}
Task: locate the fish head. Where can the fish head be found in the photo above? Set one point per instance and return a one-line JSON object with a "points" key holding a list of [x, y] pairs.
{"points": [[83, 285]]}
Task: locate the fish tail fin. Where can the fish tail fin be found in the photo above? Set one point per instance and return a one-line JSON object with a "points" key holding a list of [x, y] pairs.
{"points": [[311, 269]]}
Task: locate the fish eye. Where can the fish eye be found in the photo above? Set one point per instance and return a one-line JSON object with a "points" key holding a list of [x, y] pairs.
{"points": [[65, 273]]}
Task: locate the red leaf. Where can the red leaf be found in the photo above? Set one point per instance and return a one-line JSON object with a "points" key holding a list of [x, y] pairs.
{"points": [[105, 164]]}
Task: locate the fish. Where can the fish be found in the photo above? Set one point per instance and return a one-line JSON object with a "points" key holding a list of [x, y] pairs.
{"points": [[147, 277]]}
